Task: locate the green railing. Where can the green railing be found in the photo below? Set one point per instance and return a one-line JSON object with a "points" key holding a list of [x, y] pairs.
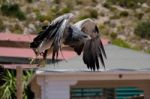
{"points": [[86, 92], [126, 92], [110, 93]]}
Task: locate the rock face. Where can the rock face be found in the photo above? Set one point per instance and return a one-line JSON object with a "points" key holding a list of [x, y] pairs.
{"points": [[111, 18]]}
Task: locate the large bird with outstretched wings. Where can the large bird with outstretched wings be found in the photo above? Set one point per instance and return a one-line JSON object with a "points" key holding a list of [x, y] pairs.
{"points": [[82, 36]]}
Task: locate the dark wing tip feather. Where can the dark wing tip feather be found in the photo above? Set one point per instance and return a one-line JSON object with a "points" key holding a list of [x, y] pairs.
{"points": [[89, 56], [78, 49], [97, 63], [102, 60], [103, 50], [93, 53], [56, 37]]}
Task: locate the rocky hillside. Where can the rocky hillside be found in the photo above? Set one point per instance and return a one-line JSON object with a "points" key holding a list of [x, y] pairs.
{"points": [[125, 22]]}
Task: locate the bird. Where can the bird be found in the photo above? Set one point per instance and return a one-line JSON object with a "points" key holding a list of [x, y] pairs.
{"points": [[83, 36]]}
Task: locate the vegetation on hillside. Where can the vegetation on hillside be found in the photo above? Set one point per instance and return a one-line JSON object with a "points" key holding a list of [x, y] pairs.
{"points": [[127, 3], [143, 29]]}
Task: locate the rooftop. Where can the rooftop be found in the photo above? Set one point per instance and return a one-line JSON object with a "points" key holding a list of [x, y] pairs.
{"points": [[118, 59]]}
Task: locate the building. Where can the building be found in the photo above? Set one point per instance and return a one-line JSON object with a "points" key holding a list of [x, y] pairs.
{"points": [[125, 68]]}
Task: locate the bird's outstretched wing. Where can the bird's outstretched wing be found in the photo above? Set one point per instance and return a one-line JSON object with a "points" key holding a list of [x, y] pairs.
{"points": [[82, 36], [93, 49], [51, 37]]}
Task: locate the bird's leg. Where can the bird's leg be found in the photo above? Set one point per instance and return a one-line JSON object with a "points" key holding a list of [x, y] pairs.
{"points": [[43, 62], [33, 59]]}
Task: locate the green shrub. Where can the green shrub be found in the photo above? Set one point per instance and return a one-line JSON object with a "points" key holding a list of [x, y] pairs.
{"points": [[148, 51], [69, 4], [93, 13], [42, 18], [104, 29], [83, 17], [118, 15], [56, 1], [126, 3], [29, 1], [113, 35], [115, 16], [64, 10], [2, 27], [124, 13], [121, 43], [85, 2], [17, 29], [8, 88], [12, 10], [94, 1], [139, 15], [107, 5], [143, 30], [88, 13]]}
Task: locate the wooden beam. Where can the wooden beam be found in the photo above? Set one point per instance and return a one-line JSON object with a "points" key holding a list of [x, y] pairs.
{"points": [[19, 83]]}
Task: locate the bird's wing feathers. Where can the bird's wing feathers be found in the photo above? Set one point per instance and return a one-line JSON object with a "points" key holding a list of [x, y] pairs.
{"points": [[55, 35], [56, 44], [51, 37], [86, 25], [93, 50]]}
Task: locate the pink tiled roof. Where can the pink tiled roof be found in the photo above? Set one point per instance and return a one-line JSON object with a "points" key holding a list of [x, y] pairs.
{"points": [[28, 53], [26, 37], [16, 37]]}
